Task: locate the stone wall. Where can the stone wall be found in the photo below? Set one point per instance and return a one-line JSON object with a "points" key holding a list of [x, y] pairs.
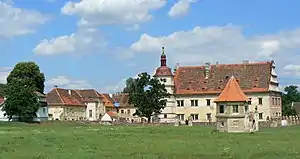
{"points": [[276, 122]]}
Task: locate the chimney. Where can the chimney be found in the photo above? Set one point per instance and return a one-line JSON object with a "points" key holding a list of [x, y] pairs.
{"points": [[207, 69], [245, 61], [55, 86], [70, 92], [217, 62]]}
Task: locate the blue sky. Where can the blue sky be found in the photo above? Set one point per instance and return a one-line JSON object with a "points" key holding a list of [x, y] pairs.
{"points": [[99, 43]]}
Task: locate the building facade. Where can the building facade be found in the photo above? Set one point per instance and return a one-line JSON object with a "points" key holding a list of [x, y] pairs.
{"points": [[194, 88]]}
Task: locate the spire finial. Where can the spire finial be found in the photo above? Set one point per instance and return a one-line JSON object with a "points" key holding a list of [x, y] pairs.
{"points": [[163, 50]]}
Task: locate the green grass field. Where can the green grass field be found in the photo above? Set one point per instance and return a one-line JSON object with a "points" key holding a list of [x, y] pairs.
{"points": [[71, 141]]}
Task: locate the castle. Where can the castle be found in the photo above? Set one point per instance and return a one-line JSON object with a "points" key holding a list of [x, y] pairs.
{"points": [[193, 89]]}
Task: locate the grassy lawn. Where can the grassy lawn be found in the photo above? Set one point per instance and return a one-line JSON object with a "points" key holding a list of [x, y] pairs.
{"points": [[70, 141]]}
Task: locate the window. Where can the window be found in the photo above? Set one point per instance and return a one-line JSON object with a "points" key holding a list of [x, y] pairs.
{"points": [[180, 116], [208, 102], [249, 101], [235, 108], [180, 103], [44, 110], [208, 116], [246, 108], [128, 111], [194, 103], [165, 116], [260, 101], [260, 115], [122, 111], [90, 113], [50, 115], [273, 101], [195, 116], [222, 109], [235, 123]]}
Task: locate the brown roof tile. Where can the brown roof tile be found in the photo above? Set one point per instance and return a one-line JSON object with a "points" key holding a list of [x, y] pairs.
{"points": [[123, 99], [60, 96], [252, 77], [89, 95], [232, 92]]}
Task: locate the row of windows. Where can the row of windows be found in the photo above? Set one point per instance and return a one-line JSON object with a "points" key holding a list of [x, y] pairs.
{"points": [[235, 109], [276, 101], [194, 116], [194, 103]]}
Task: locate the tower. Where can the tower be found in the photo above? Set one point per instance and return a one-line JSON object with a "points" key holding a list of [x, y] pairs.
{"points": [[232, 109], [164, 72]]}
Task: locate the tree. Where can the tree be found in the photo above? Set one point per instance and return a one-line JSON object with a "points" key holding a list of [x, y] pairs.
{"points": [[291, 95], [148, 95], [21, 101], [129, 83], [2, 89], [30, 73], [22, 83]]}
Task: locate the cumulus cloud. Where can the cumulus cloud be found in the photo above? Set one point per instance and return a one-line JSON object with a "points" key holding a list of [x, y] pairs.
{"points": [[225, 43], [66, 82], [180, 8], [100, 12], [83, 41], [17, 21]]}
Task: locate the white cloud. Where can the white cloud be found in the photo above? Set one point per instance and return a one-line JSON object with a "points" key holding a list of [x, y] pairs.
{"points": [[225, 43], [292, 70], [4, 72], [86, 39], [99, 12], [180, 8], [17, 21], [135, 27], [65, 82]]}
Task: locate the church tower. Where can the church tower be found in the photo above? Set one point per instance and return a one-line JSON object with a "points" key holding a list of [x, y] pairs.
{"points": [[165, 73]]}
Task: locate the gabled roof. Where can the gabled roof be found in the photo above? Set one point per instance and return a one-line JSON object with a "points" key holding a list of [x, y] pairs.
{"points": [[232, 92], [107, 100], [252, 77], [59, 96]]}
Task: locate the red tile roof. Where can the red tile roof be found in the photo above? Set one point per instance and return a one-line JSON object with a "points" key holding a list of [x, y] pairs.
{"points": [[252, 77], [107, 100], [60, 96], [232, 92]]}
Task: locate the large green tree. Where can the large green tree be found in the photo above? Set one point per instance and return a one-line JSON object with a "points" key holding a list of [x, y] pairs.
{"points": [[22, 83], [290, 95], [129, 83], [21, 101], [148, 95], [30, 73], [2, 89]]}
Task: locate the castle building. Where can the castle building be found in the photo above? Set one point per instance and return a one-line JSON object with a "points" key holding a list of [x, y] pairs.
{"points": [[194, 89]]}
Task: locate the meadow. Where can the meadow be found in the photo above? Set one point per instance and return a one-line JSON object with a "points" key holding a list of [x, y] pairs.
{"points": [[74, 141]]}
